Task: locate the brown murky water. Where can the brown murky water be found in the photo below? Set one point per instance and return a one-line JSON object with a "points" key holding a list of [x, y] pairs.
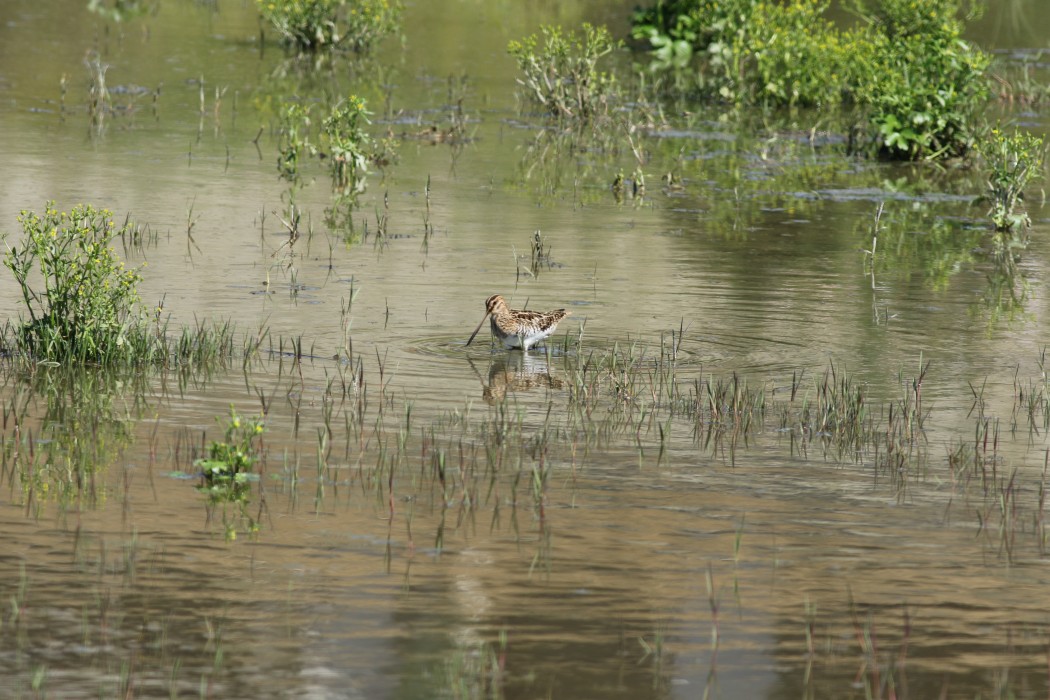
{"points": [[615, 552]]}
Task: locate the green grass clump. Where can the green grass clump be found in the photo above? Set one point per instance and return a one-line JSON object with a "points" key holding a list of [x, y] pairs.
{"points": [[560, 71], [81, 300], [319, 25]]}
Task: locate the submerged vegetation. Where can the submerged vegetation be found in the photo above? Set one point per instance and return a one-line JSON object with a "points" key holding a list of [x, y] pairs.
{"points": [[350, 148], [63, 429], [526, 455]]}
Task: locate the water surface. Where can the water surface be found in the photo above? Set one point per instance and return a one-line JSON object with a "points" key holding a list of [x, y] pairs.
{"points": [[469, 529]]}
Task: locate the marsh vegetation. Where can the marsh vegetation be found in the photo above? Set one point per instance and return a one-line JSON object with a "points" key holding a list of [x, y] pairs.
{"points": [[792, 440]]}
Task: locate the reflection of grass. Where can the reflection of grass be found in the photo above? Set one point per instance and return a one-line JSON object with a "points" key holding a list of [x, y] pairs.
{"points": [[476, 671], [122, 10], [1007, 290], [64, 427], [913, 241], [57, 456], [130, 633], [519, 455], [551, 165]]}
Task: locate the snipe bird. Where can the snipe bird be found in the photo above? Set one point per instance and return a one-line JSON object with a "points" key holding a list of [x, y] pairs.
{"points": [[517, 328]]}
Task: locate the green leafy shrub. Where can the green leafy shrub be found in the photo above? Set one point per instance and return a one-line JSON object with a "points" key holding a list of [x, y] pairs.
{"points": [[81, 301], [900, 18], [676, 29], [753, 50], [561, 71], [81, 304], [916, 83], [226, 471], [1013, 162], [920, 84], [798, 56], [313, 25]]}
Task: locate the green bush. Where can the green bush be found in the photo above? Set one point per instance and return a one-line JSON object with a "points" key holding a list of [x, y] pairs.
{"points": [[917, 84], [676, 29], [561, 73], [81, 304], [313, 25], [755, 51], [902, 18], [81, 301], [798, 57]]}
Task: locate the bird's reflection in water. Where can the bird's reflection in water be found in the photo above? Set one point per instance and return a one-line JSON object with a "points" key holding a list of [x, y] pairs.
{"points": [[515, 371]]}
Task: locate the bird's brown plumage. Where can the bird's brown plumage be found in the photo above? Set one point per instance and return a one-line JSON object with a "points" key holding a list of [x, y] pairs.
{"points": [[518, 328]]}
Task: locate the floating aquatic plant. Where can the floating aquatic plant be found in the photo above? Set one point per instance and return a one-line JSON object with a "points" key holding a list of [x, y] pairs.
{"points": [[226, 471]]}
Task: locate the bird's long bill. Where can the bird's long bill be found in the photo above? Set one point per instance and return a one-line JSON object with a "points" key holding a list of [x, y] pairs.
{"points": [[478, 328]]}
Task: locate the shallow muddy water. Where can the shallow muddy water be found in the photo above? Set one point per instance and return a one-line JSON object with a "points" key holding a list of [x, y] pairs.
{"points": [[437, 520]]}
